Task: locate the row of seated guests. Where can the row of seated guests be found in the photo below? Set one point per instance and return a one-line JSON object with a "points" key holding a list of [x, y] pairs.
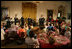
{"points": [[21, 34], [30, 39], [24, 32], [64, 29], [27, 34], [54, 30]]}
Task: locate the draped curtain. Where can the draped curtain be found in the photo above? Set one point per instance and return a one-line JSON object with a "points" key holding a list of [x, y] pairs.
{"points": [[29, 10]]}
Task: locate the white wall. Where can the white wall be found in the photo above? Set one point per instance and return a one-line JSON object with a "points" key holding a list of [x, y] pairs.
{"points": [[16, 7], [42, 8]]}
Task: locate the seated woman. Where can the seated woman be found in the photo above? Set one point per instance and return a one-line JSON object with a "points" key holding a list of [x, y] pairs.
{"points": [[30, 41], [21, 34], [68, 33], [21, 30]]}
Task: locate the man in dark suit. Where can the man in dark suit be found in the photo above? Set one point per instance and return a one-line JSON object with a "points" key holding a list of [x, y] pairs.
{"points": [[15, 19], [41, 20], [34, 22], [29, 21], [22, 20], [8, 22]]}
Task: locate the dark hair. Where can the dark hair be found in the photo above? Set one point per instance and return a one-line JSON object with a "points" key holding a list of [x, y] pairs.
{"points": [[21, 26], [29, 27], [50, 24], [31, 34], [51, 41]]}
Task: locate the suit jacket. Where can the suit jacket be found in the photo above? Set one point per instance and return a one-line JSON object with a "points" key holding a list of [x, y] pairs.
{"points": [[22, 19], [15, 19], [41, 20], [29, 20]]}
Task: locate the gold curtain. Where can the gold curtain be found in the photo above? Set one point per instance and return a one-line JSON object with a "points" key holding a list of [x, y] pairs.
{"points": [[29, 10]]}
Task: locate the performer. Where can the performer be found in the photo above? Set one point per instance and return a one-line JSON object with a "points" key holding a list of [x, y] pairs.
{"points": [[8, 22], [41, 20], [15, 19], [22, 20], [34, 22], [29, 21]]}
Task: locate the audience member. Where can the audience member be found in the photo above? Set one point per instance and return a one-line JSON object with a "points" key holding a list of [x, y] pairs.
{"points": [[30, 40], [68, 33], [2, 35], [21, 30], [22, 20]]}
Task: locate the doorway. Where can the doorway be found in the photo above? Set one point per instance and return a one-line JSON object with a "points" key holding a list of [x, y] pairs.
{"points": [[49, 13]]}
